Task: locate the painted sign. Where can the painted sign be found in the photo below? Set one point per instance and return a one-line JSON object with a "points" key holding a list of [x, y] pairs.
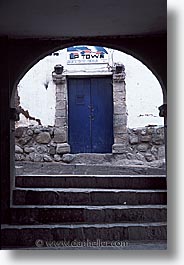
{"points": [[87, 55]]}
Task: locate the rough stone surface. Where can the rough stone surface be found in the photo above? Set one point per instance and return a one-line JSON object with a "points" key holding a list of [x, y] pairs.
{"points": [[149, 157], [18, 149], [154, 150], [42, 149], [47, 158], [161, 152], [142, 147], [137, 145], [157, 163], [133, 139], [26, 168], [145, 138], [67, 158], [59, 136], [130, 156], [31, 157], [24, 140], [52, 150], [143, 132], [120, 128], [19, 157], [158, 140], [19, 132], [60, 122], [38, 158], [43, 138], [119, 148], [140, 157], [92, 158], [29, 132], [57, 158], [37, 130], [121, 138], [63, 148], [120, 119], [29, 149]]}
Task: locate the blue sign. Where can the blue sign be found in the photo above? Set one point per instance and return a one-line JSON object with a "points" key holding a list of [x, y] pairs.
{"points": [[87, 55]]}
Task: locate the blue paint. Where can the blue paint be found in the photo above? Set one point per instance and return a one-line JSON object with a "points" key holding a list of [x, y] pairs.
{"points": [[90, 115], [83, 49]]}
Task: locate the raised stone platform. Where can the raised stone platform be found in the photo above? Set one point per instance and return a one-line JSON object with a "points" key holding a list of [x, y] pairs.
{"points": [[51, 168]]}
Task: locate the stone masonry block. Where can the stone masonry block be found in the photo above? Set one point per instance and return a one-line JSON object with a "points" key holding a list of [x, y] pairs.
{"points": [[60, 122], [120, 129], [43, 138], [59, 136], [133, 139], [67, 158], [142, 147], [18, 149], [120, 138], [119, 97], [19, 132], [145, 138], [63, 148], [120, 108], [119, 87], [60, 113], [60, 104], [119, 148], [161, 152], [52, 150], [120, 120], [60, 89]]}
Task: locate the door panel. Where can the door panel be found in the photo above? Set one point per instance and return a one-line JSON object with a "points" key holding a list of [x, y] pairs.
{"points": [[90, 115], [78, 115], [102, 121]]}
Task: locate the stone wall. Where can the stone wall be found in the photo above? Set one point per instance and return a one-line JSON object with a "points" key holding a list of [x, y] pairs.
{"points": [[38, 143], [48, 144], [146, 144]]}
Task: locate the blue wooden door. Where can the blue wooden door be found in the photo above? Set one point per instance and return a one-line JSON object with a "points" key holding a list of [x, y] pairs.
{"points": [[90, 115]]}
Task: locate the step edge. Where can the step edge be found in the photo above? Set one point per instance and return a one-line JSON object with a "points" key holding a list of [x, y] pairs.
{"points": [[93, 176], [88, 190], [151, 206], [84, 225]]}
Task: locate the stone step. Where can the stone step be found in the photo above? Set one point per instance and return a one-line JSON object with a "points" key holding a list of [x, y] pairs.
{"points": [[87, 214], [39, 168], [39, 236], [92, 181], [71, 196]]}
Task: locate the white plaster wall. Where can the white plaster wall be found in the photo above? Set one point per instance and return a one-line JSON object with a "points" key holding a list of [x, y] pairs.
{"points": [[34, 97], [144, 94]]}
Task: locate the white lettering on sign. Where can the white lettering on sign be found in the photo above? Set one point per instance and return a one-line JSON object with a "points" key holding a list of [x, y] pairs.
{"points": [[87, 55]]}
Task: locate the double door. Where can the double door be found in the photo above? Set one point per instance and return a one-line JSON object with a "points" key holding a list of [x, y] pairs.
{"points": [[90, 114]]}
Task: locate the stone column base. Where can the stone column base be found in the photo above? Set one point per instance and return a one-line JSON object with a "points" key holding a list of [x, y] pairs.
{"points": [[63, 148], [119, 148]]}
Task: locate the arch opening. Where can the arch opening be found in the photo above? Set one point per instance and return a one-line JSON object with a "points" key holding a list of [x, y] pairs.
{"points": [[135, 100]]}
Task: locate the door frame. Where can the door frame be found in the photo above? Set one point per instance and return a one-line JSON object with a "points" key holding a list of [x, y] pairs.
{"points": [[119, 108]]}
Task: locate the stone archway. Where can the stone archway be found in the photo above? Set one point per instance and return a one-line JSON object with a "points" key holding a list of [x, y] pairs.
{"points": [[24, 53]]}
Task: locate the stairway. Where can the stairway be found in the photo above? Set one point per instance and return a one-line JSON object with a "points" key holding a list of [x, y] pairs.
{"points": [[127, 208]]}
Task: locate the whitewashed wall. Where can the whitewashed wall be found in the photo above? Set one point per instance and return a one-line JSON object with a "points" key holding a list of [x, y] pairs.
{"points": [[144, 94]]}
